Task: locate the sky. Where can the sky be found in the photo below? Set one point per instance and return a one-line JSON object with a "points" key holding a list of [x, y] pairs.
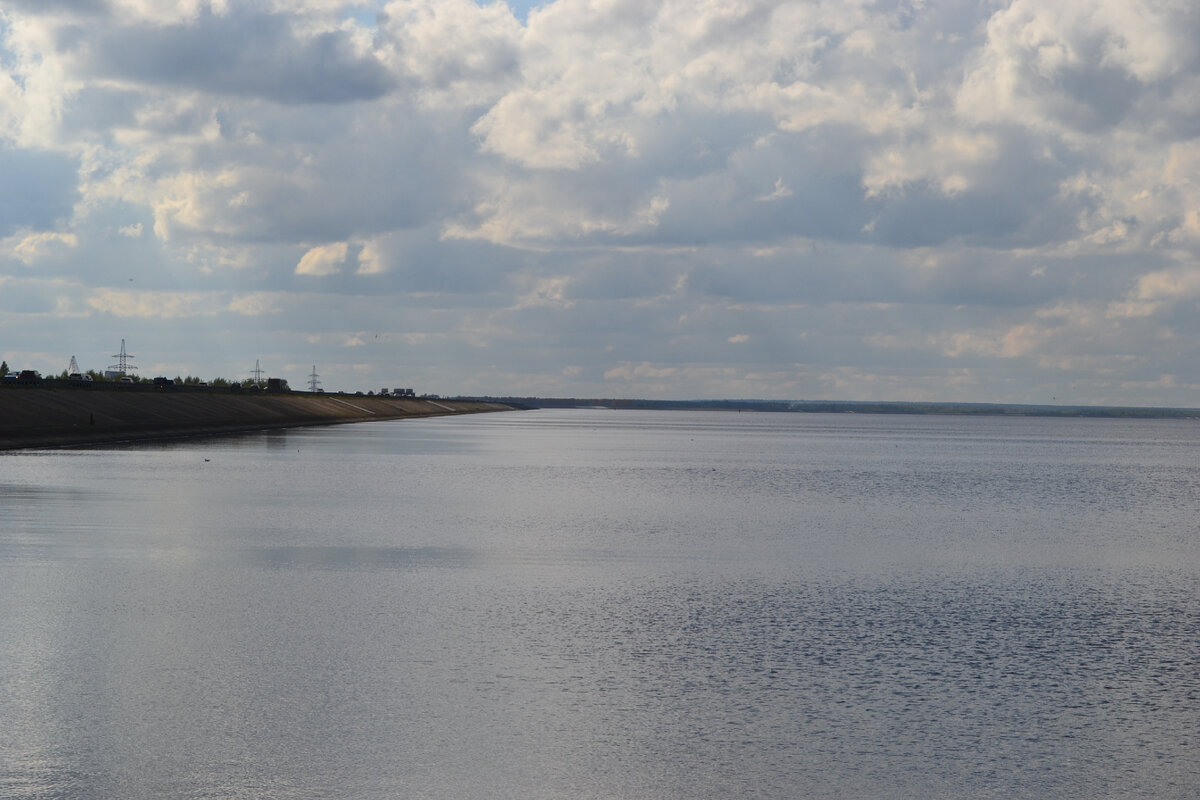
{"points": [[982, 200]]}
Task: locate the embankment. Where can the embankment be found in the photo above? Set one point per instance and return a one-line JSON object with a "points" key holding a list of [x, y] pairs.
{"points": [[52, 417]]}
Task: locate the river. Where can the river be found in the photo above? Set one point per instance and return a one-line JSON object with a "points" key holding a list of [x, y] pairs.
{"points": [[608, 604]]}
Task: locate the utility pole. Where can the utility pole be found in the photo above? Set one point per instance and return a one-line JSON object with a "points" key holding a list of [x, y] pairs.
{"points": [[313, 383]]}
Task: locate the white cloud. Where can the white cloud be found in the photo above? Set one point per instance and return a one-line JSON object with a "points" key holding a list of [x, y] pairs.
{"points": [[31, 247], [1064, 63], [255, 304], [458, 52], [1156, 290], [371, 260], [629, 372], [949, 161], [326, 259], [156, 305]]}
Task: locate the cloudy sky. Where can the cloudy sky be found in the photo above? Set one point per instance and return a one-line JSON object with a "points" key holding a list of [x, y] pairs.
{"points": [[977, 200]]}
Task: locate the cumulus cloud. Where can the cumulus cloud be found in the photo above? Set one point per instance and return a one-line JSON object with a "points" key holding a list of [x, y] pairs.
{"points": [[32, 247], [771, 197], [326, 259], [454, 52], [1076, 65], [240, 52], [370, 260]]}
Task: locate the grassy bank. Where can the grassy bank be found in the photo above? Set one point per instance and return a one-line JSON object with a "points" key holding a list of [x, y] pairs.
{"points": [[42, 417]]}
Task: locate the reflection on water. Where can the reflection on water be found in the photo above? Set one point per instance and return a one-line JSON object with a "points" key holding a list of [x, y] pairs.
{"points": [[607, 604], [349, 557]]}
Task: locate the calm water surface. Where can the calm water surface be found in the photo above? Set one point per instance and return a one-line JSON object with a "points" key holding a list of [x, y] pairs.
{"points": [[600, 604]]}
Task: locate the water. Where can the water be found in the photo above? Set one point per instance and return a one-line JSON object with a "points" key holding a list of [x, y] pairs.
{"points": [[600, 604]]}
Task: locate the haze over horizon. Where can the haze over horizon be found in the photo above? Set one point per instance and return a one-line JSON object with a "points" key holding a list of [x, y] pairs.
{"points": [[898, 200]]}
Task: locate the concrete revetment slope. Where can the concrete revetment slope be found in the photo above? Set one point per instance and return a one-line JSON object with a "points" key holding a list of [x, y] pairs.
{"points": [[33, 416]]}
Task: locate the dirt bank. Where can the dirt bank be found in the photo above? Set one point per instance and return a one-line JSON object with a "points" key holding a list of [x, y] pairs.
{"points": [[41, 417]]}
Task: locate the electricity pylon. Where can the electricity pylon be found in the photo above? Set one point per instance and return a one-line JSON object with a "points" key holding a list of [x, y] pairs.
{"points": [[257, 373], [122, 366]]}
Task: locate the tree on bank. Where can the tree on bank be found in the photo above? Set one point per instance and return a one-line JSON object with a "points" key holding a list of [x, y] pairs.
{"points": [[3, 368]]}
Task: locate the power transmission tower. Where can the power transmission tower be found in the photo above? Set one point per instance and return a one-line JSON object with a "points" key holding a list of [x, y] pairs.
{"points": [[313, 383], [122, 366], [74, 368], [257, 373]]}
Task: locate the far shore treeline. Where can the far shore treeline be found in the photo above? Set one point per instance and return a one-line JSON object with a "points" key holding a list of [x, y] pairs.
{"points": [[96, 376], [852, 407]]}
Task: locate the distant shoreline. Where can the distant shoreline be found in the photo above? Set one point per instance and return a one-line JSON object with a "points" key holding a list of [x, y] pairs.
{"points": [[37, 417], [855, 407]]}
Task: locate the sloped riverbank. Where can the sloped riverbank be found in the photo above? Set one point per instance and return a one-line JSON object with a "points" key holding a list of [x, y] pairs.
{"points": [[54, 417]]}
